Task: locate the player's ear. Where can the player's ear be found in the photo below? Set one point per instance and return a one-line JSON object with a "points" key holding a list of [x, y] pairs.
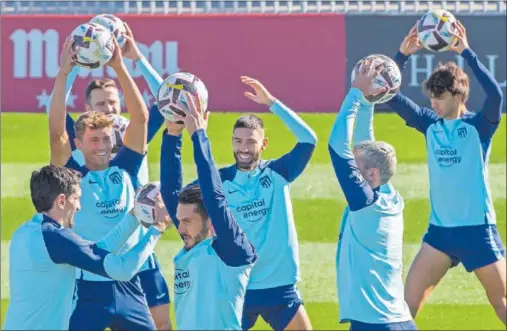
{"points": [[87, 107], [78, 143], [60, 201], [264, 143]]}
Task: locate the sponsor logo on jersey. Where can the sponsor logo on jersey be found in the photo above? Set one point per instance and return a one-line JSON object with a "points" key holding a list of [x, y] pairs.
{"points": [[110, 208], [447, 157], [182, 281], [253, 211]]}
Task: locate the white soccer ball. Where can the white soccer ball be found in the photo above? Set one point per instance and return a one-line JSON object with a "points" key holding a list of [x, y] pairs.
{"points": [[435, 30], [114, 25], [389, 76], [170, 92], [94, 43], [144, 202], [120, 124]]}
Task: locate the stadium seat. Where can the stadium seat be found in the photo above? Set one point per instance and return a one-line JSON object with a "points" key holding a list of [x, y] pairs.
{"points": [[488, 7]]}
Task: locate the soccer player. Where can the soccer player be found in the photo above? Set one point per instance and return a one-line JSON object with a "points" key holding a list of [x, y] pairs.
{"points": [[43, 256], [107, 194], [257, 193], [103, 96], [369, 255], [212, 269], [462, 220]]}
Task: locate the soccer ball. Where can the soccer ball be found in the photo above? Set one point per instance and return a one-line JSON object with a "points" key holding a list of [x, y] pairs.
{"points": [[94, 45], [389, 76], [120, 124], [144, 202], [435, 30], [114, 25], [170, 90]]}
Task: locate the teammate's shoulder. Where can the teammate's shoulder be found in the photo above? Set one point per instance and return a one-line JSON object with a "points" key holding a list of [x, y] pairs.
{"points": [[26, 228], [228, 173]]}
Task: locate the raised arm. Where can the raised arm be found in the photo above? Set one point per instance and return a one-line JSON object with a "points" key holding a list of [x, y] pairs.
{"points": [[364, 124], [136, 132], [492, 108], [171, 170], [231, 243], [292, 164], [155, 121], [131, 51], [419, 118], [153, 79], [58, 138], [69, 121], [357, 191]]}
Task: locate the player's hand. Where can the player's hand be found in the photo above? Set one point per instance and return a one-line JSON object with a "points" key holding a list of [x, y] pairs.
{"points": [[364, 76], [262, 95], [68, 56], [162, 219], [410, 43], [116, 61], [130, 49], [174, 129], [194, 118], [461, 39]]}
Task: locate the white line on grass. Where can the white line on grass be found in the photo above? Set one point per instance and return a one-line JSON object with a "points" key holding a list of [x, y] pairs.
{"points": [[319, 274], [316, 182]]}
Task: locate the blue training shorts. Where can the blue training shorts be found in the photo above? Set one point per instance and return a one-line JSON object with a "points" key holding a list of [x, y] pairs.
{"points": [[113, 304], [277, 306], [475, 246], [408, 325], [155, 287]]}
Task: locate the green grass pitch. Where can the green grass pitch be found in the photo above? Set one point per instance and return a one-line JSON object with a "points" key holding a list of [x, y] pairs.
{"points": [[458, 303]]}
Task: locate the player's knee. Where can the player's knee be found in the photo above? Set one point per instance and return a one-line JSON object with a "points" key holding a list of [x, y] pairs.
{"points": [[499, 302]]}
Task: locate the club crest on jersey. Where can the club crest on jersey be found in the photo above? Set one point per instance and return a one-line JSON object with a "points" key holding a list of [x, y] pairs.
{"points": [[265, 181], [182, 281], [462, 133], [115, 178]]}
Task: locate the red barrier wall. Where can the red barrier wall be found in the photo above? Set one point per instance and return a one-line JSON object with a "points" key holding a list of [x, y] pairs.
{"points": [[300, 58]]}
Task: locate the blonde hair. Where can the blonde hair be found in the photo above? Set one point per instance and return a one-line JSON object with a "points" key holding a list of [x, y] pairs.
{"points": [[92, 120], [379, 155]]}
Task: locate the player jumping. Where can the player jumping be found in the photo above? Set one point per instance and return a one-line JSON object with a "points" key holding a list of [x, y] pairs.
{"points": [[213, 268], [462, 221], [107, 194], [43, 255], [369, 256]]}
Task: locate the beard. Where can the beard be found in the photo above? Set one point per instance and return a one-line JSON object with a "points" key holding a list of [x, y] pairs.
{"points": [[249, 164], [203, 235]]}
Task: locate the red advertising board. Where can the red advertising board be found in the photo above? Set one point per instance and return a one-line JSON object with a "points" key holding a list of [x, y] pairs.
{"points": [[300, 58]]}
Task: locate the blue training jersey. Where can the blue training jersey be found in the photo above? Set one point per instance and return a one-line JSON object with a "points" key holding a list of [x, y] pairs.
{"points": [[260, 202], [107, 195], [210, 279], [458, 149], [43, 257], [369, 257]]}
